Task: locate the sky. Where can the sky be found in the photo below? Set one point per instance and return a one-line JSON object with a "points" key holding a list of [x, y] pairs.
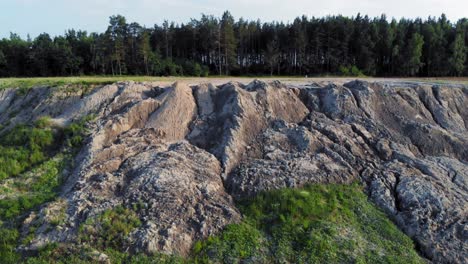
{"points": [[56, 16]]}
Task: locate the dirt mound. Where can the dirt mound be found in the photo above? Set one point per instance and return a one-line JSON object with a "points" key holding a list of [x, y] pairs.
{"points": [[183, 153]]}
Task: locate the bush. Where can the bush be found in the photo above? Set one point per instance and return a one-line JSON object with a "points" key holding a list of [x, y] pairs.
{"points": [[8, 240], [76, 132], [169, 68], [192, 68], [350, 71]]}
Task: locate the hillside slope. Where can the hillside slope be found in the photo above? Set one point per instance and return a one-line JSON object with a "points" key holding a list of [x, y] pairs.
{"points": [[179, 157]]}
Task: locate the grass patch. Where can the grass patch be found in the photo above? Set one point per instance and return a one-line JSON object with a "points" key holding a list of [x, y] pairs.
{"points": [[110, 229], [24, 147], [26, 83], [316, 224], [32, 158], [84, 83], [62, 254]]}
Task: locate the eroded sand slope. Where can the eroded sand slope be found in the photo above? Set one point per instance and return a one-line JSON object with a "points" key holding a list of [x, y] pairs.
{"points": [[186, 152]]}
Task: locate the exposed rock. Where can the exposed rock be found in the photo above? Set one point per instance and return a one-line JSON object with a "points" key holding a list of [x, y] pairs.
{"points": [[183, 152], [240, 113], [184, 194]]}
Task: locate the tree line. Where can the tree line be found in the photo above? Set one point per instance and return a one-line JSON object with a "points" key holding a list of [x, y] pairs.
{"points": [[224, 46]]}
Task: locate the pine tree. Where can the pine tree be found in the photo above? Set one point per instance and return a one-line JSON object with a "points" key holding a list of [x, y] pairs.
{"points": [[228, 42], [117, 32], [434, 47], [414, 54], [3, 61], [272, 54], [167, 38], [145, 49], [458, 58]]}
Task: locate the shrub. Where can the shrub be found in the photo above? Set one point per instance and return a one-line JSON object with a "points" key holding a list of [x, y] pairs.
{"points": [[169, 68], [350, 71], [8, 240], [76, 132], [192, 68]]}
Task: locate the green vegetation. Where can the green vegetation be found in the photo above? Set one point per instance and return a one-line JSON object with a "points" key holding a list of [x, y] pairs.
{"points": [[107, 233], [83, 83], [225, 46], [351, 71], [31, 161], [316, 224], [8, 242], [24, 147], [110, 229], [26, 83], [33, 188], [60, 254], [75, 132]]}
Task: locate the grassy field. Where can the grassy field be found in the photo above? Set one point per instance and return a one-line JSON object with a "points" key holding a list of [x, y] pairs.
{"points": [[88, 80], [102, 80]]}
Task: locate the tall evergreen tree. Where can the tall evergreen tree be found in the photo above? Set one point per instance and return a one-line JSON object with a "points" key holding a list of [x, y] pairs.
{"points": [[458, 58], [145, 50], [272, 54], [228, 42], [414, 49], [117, 32]]}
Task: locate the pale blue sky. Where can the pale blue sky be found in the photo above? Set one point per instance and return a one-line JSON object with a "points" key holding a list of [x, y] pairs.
{"points": [[55, 16]]}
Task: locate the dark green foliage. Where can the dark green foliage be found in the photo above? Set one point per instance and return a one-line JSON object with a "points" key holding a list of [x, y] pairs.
{"points": [[414, 54], [227, 46], [192, 68], [458, 58], [307, 46], [8, 239], [319, 223], [350, 71], [169, 68]]}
